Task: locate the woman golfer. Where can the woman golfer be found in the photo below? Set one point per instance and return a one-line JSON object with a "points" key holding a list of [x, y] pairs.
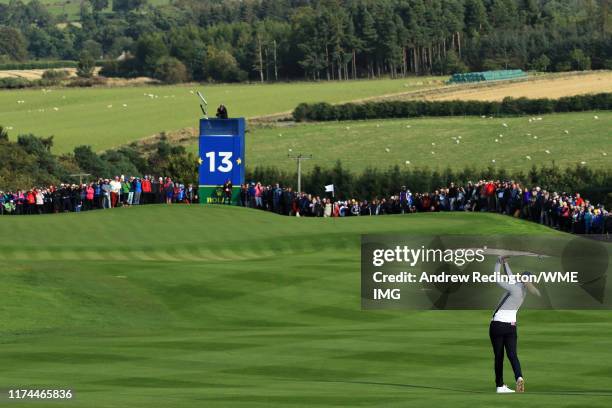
{"points": [[502, 329]]}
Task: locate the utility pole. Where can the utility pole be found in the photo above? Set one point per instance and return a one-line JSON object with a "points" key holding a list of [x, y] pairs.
{"points": [[275, 64], [260, 66], [299, 159]]}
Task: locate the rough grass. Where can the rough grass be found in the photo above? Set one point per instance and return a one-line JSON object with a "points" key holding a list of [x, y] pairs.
{"points": [[227, 307]]}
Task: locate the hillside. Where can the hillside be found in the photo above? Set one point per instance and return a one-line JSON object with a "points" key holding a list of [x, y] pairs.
{"points": [[230, 307], [109, 117], [271, 40], [455, 142]]}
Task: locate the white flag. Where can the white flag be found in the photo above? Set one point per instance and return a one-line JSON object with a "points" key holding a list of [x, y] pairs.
{"points": [[329, 188]]}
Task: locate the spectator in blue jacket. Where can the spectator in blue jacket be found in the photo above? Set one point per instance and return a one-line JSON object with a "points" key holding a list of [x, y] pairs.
{"points": [[137, 185]]}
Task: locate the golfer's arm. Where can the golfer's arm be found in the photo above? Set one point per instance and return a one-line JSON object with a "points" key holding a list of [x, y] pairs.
{"points": [[508, 270], [498, 266]]}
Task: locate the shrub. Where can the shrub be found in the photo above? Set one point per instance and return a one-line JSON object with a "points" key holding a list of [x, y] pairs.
{"points": [[55, 74], [222, 65], [15, 83], [579, 60], [86, 82], [301, 112], [171, 71], [450, 64], [563, 66], [542, 63], [124, 69], [86, 65]]}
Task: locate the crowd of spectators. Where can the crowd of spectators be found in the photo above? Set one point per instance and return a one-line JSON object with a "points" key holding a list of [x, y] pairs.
{"points": [[563, 211], [100, 194]]}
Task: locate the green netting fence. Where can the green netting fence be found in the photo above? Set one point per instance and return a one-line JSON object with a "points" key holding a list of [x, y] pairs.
{"points": [[488, 76]]}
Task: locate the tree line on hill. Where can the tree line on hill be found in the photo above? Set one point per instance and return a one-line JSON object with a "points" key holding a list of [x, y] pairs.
{"points": [[323, 111], [29, 162], [267, 40]]}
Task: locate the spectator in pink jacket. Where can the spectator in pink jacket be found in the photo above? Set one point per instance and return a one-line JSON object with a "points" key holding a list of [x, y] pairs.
{"points": [[89, 196], [258, 195]]}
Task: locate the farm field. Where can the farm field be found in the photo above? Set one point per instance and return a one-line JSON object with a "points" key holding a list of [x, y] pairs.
{"points": [[263, 312], [546, 86], [34, 74], [109, 117], [30, 74], [384, 143], [71, 8]]}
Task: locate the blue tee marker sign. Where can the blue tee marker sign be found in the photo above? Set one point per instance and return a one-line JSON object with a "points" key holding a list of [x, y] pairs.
{"points": [[221, 159]]}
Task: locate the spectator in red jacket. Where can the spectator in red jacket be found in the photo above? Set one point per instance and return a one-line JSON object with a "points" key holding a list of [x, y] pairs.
{"points": [[146, 190], [579, 200], [565, 222], [490, 194], [30, 202]]}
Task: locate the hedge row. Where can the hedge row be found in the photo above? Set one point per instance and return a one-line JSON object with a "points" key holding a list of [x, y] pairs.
{"points": [[406, 109], [20, 83], [37, 65]]}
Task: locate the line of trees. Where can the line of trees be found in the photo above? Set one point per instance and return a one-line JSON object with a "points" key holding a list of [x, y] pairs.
{"points": [[377, 182], [323, 111], [29, 162], [269, 40]]}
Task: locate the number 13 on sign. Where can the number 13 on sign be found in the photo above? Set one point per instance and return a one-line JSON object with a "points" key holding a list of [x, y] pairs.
{"points": [[226, 161]]}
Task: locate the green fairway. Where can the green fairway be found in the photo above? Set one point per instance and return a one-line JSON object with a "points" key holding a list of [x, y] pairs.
{"points": [[98, 117], [384, 143], [190, 306]]}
